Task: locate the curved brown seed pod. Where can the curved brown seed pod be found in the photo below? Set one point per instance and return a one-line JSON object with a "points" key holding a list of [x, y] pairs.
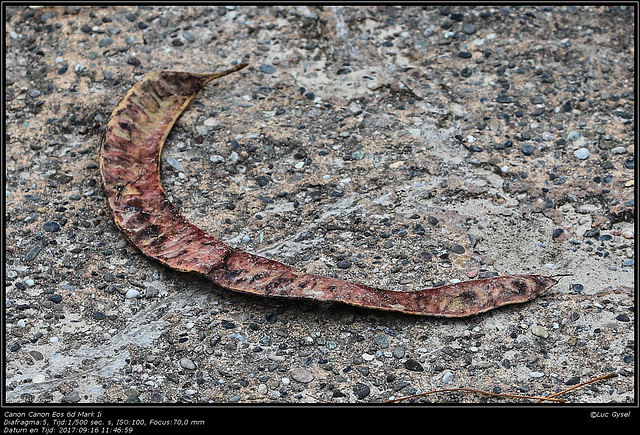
{"points": [[130, 166]]}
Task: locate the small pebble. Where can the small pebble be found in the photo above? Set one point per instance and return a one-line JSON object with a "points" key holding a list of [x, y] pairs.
{"points": [[623, 317], [105, 41], [361, 390], [573, 136], [132, 294], [539, 331], [446, 377], [51, 227], [413, 365], [399, 352], [187, 364], [577, 287], [574, 380], [33, 252], [368, 357], [527, 149], [458, 249], [301, 375], [175, 164], [56, 299], [189, 36], [382, 341], [469, 29], [267, 68], [344, 264], [618, 150], [581, 153]]}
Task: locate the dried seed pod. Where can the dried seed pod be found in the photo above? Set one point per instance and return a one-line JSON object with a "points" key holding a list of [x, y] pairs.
{"points": [[130, 167]]}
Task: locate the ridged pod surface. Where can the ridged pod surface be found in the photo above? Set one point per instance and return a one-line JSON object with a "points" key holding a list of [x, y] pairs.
{"points": [[130, 166]]}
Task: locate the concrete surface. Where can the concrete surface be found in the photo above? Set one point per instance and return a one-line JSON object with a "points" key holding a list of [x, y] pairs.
{"points": [[351, 126]]}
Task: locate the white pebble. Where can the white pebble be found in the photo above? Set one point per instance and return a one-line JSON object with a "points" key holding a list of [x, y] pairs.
{"points": [[368, 357], [581, 153], [53, 340], [447, 377], [619, 150], [175, 164], [132, 294], [539, 331]]}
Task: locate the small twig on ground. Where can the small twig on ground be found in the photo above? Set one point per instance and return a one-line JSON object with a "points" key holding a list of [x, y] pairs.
{"points": [[538, 399], [550, 398], [610, 375], [472, 390]]}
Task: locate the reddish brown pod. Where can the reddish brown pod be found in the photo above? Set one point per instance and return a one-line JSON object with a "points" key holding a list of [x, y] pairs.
{"points": [[130, 166]]}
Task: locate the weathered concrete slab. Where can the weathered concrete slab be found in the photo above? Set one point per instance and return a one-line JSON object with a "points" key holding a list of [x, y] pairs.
{"points": [[400, 147]]}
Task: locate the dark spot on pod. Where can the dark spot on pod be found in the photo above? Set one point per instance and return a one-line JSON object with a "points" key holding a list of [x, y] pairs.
{"points": [[140, 218], [277, 283], [135, 204], [158, 241], [258, 277], [469, 296], [519, 286], [149, 232], [231, 275], [125, 125]]}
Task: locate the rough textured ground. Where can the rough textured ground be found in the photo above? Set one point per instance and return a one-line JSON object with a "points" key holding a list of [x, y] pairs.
{"points": [[400, 147]]}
